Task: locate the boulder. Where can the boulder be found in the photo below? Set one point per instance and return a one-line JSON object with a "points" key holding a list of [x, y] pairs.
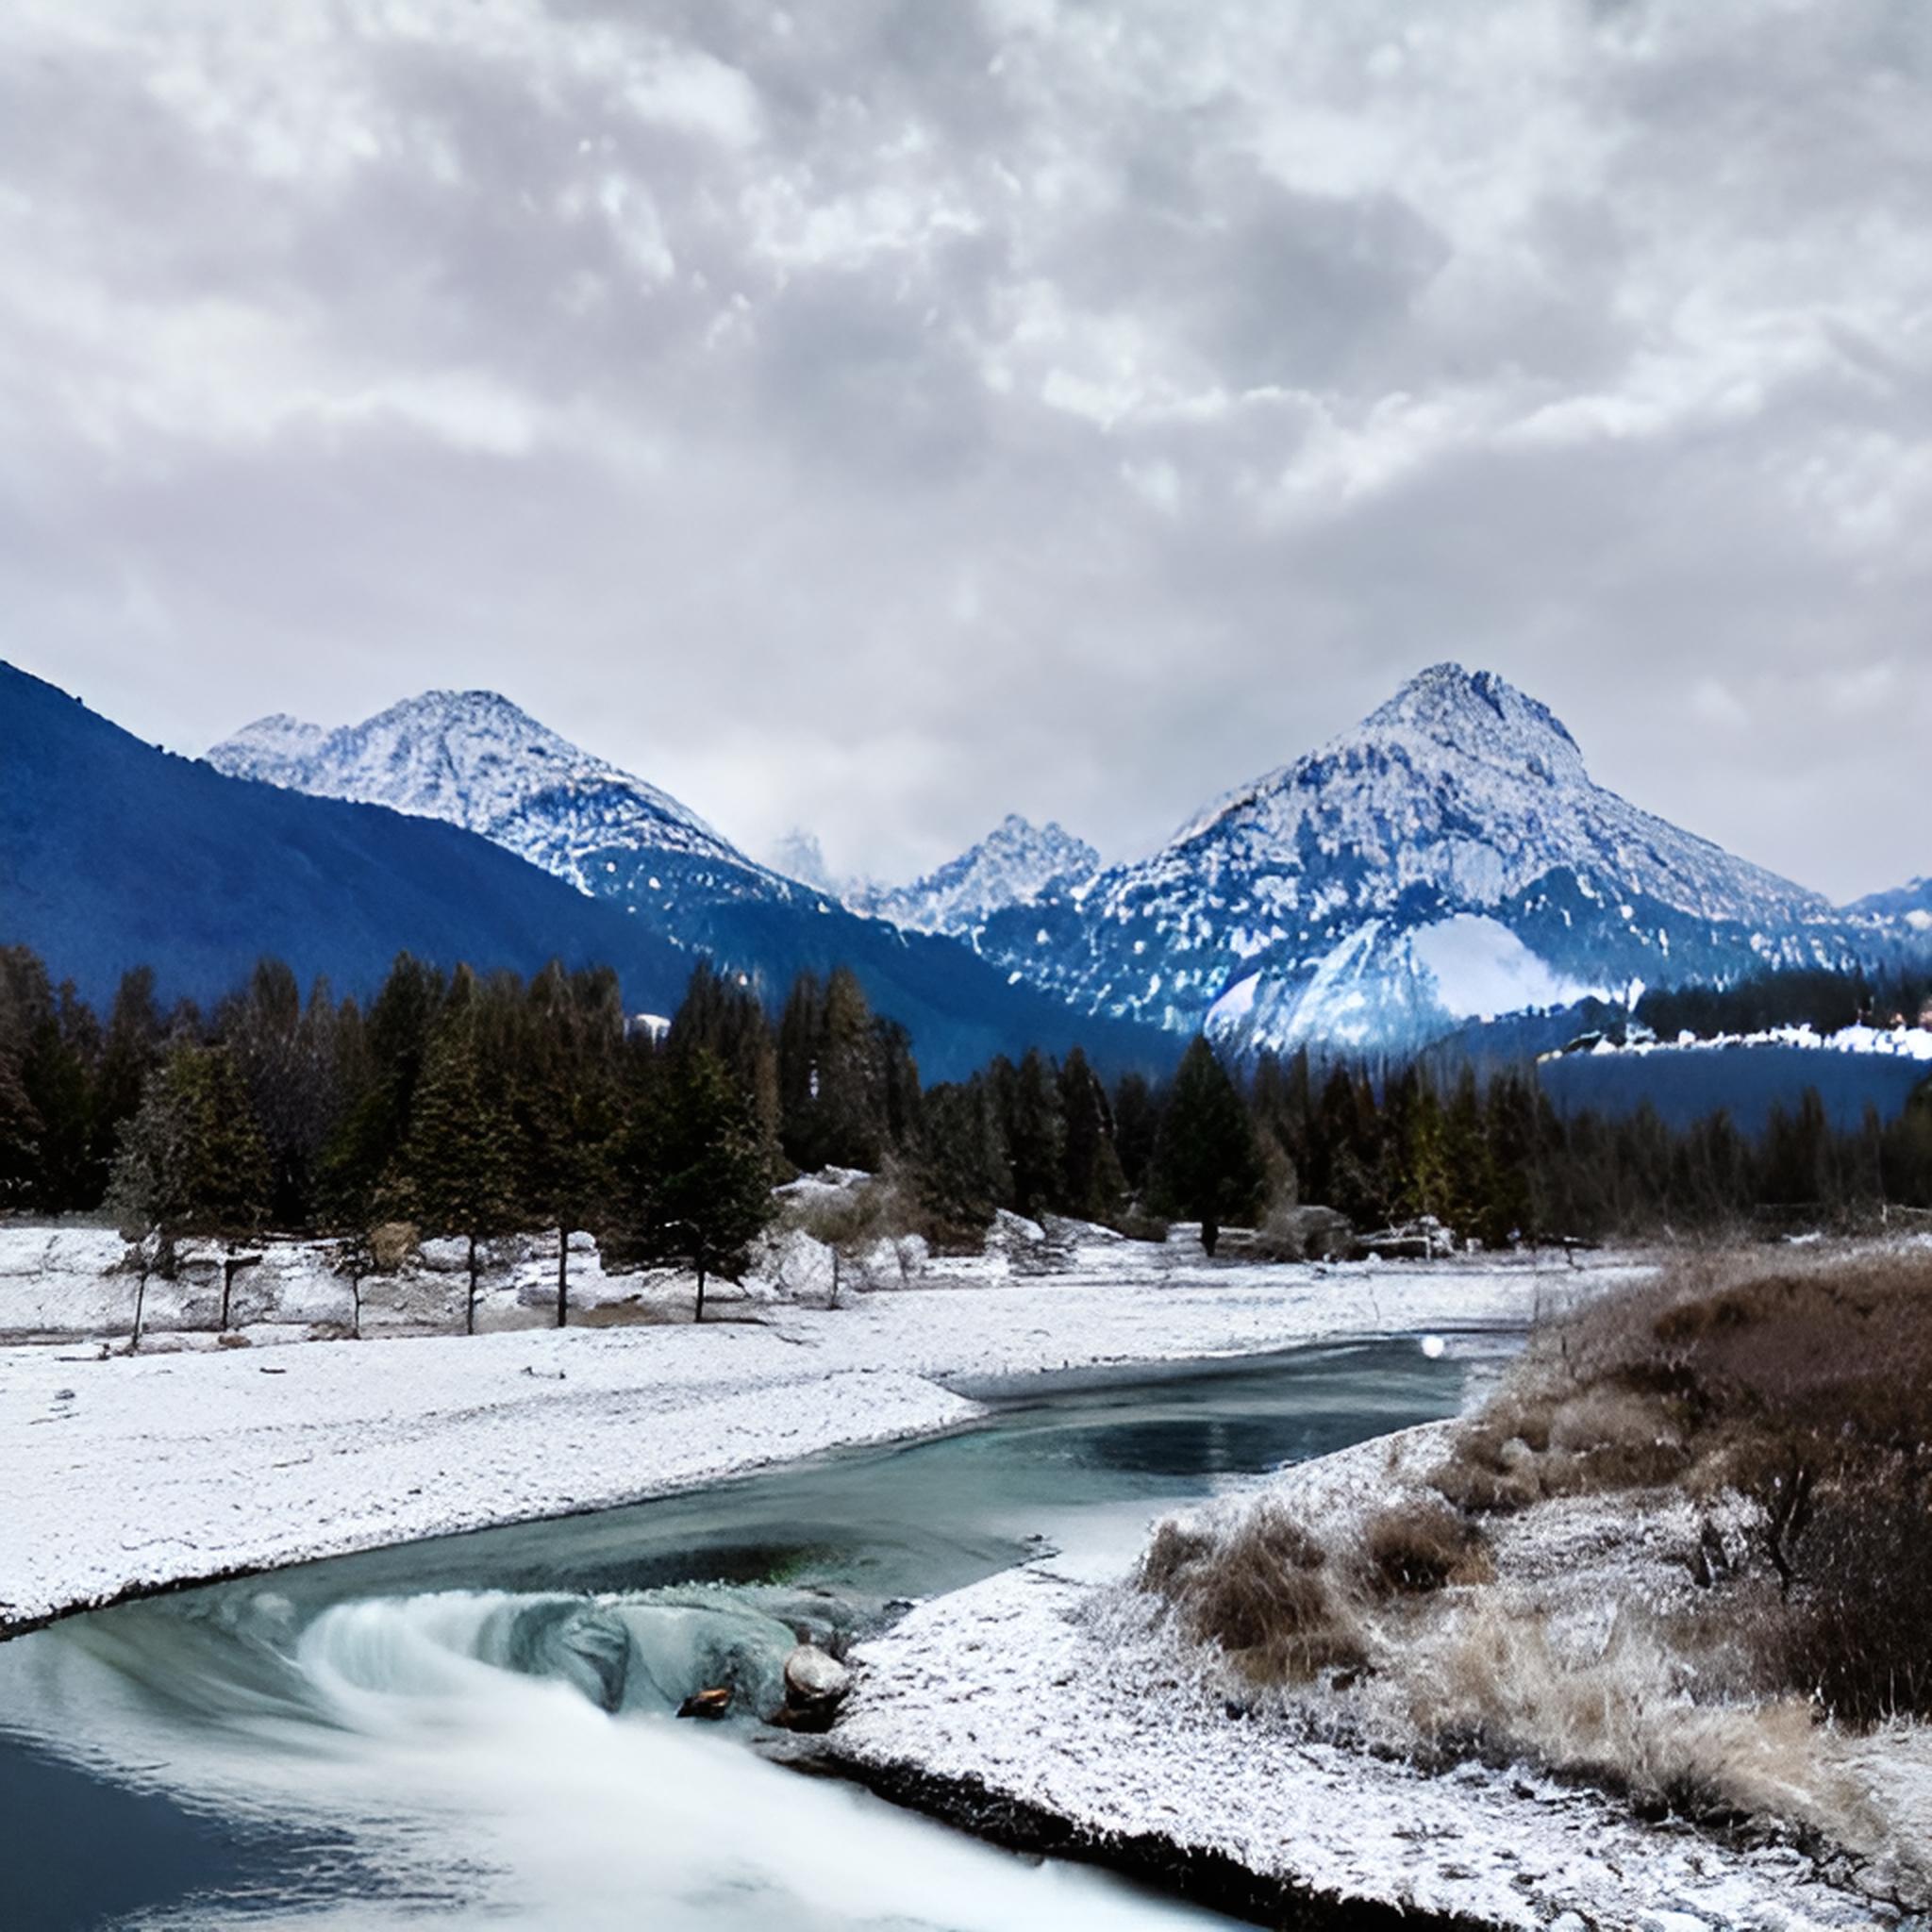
{"points": [[816, 1683], [1311, 1233], [815, 1677]]}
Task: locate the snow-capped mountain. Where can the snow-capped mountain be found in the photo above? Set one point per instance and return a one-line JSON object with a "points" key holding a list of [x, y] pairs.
{"points": [[1448, 858], [1017, 864], [474, 760], [1909, 905], [477, 761]]}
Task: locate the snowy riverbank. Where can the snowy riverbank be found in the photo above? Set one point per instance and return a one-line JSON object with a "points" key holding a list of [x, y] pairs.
{"points": [[1040, 1708], [999, 1708], [131, 1474]]}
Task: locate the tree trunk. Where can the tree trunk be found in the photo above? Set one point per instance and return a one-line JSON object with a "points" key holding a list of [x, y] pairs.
{"points": [[140, 1305], [563, 1276], [470, 1306], [833, 1302], [1211, 1233], [227, 1283], [700, 1315]]}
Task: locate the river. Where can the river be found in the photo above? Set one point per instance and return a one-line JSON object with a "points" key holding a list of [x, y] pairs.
{"points": [[478, 1731]]}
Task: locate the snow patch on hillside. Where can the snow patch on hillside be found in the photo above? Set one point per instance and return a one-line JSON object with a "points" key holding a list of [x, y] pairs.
{"points": [[1480, 969]]}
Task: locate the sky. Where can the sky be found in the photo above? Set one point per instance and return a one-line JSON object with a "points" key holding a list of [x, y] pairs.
{"points": [[887, 414]]}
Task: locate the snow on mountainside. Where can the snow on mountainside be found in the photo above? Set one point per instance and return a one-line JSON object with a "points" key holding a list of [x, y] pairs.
{"points": [[1450, 858], [1909, 906], [476, 760], [1016, 864]]}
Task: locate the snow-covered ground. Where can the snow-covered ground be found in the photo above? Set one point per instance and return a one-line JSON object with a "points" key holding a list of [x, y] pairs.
{"points": [[125, 1473], [1889, 1043], [1007, 1692]]}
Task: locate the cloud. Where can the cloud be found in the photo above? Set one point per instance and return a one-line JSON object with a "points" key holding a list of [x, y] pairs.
{"points": [[879, 417]]}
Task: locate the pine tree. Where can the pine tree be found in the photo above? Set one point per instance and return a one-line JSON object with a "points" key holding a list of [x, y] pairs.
{"points": [[1093, 1186], [191, 1160], [57, 1073], [23, 982], [568, 1104], [706, 1185], [286, 1052], [723, 1014], [1034, 1131], [379, 1066], [455, 1174], [1206, 1166], [130, 1053], [849, 1089], [962, 1174], [1136, 1128]]}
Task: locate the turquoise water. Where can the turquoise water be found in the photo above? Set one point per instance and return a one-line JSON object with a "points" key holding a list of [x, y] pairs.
{"points": [[478, 1731]]}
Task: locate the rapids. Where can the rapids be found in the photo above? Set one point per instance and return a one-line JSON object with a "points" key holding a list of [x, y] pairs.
{"points": [[480, 1729]]}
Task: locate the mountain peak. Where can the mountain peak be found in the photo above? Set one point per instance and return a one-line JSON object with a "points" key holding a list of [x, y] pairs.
{"points": [[1017, 863], [1480, 713], [480, 762]]}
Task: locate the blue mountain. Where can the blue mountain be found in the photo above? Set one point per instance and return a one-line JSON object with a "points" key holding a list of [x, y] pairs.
{"points": [[114, 854]]}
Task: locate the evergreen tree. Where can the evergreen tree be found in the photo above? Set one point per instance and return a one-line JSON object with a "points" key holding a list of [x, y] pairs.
{"points": [[723, 1015], [569, 1105], [1136, 1128], [57, 1076], [707, 1183], [962, 1174], [848, 1088], [23, 981], [1035, 1132], [191, 1159], [456, 1172], [1206, 1166], [130, 1053], [286, 1053], [380, 1062], [1093, 1186]]}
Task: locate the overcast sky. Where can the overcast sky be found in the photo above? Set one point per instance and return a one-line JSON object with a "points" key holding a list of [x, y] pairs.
{"points": [[879, 417]]}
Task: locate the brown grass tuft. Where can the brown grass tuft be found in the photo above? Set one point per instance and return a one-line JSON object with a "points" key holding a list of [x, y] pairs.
{"points": [[1264, 1594], [1413, 1548]]}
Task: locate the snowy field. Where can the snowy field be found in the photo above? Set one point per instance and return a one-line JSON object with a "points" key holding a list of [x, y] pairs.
{"points": [[127, 1473]]}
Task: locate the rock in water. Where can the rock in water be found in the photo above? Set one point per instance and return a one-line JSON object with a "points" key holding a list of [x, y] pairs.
{"points": [[713, 1702], [815, 1685], [815, 1677]]}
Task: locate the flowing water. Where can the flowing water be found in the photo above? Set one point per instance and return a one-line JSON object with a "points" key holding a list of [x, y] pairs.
{"points": [[480, 1730]]}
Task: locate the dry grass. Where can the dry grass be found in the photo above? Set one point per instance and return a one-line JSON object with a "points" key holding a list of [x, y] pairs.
{"points": [[1421, 1545], [1265, 1594], [1684, 1551], [1806, 1387], [1640, 1719]]}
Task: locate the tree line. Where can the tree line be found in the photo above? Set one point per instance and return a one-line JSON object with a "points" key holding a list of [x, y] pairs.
{"points": [[474, 1106]]}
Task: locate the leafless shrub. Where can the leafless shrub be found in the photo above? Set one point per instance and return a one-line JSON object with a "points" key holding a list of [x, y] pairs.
{"points": [[1806, 1388]]}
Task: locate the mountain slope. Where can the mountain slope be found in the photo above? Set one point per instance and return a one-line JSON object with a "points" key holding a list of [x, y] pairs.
{"points": [[476, 761], [1909, 905], [113, 854], [1017, 863], [1450, 856]]}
